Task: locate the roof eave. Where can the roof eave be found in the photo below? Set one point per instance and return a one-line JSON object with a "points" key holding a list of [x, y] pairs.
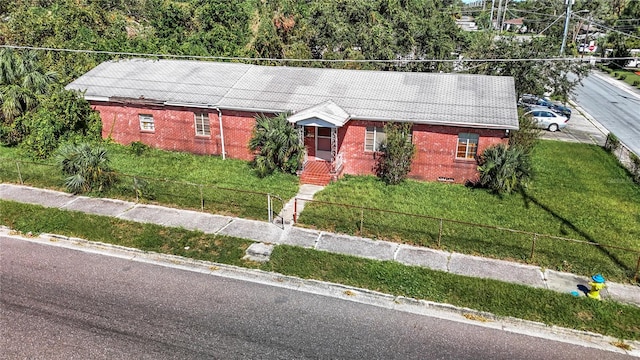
{"points": [[443, 123]]}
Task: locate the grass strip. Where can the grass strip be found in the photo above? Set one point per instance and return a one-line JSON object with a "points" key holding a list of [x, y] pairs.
{"points": [[500, 298], [503, 299], [149, 237]]}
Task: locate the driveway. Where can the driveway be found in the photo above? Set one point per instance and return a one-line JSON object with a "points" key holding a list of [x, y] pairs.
{"points": [[581, 128]]}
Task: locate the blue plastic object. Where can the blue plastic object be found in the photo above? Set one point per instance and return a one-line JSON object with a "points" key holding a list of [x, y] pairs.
{"points": [[598, 278]]}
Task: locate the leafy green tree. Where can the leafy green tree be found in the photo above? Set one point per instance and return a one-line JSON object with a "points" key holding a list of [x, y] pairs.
{"points": [[528, 134], [531, 76], [504, 169], [617, 43], [65, 116], [22, 79], [397, 153], [276, 144], [86, 166]]}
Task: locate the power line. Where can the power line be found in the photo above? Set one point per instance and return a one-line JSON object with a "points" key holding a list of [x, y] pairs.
{"points": [[608, 28], [201, 57]]}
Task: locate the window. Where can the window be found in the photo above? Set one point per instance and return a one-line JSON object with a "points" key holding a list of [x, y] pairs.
{"points": [[202, 124], [467, 146], [146, 122], [374, 137]]}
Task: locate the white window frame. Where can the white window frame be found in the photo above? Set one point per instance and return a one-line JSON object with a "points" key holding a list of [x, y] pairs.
{"points": [[202, 124], [467, 139], [376, 144], [146, 122]]}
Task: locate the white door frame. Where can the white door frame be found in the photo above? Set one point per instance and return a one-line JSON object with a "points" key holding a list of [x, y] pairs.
{"points": [[323, 154]]}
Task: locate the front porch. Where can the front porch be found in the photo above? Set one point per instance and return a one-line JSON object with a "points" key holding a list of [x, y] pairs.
{"points": [[318, 133]]}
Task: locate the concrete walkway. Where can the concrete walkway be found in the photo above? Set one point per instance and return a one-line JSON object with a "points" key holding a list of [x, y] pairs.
{"points": [[266, 235]]}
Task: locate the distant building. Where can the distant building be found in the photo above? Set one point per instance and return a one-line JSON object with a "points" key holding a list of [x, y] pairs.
{"points": [[515, 25]]}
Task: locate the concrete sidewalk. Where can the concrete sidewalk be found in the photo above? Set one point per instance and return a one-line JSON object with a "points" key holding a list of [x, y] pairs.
{"points": [[266, 235]]}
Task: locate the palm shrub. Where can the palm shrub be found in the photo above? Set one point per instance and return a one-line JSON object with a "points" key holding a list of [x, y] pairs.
{"points": [[276, 144], [504, 169], [86, 167], [397, 153]]}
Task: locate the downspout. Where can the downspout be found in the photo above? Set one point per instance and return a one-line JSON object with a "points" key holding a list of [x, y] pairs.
{"points": [[221, 133]]}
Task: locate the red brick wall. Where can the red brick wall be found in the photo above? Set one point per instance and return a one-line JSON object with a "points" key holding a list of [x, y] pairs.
{"points": [[175, 130], [174, 127], [435, 156], [237, 127]]}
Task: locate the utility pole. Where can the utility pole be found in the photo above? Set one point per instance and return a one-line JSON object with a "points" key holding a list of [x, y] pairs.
{"points": [[586, 39], [566, 25], [498, 15], [493, 4], [504, 13]]}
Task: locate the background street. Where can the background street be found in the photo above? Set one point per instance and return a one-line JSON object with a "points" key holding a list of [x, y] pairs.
{"points": [[616, 109], [66, 304]]}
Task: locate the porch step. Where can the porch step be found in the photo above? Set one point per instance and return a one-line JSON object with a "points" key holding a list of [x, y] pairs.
{"points": [[315, 180], [316, 173]]}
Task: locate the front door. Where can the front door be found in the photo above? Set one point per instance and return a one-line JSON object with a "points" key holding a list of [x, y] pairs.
{"points": [[323, 143]]}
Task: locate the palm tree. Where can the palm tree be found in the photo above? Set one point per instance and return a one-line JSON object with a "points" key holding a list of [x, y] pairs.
{"points": [[87, 167], [21, 81], [504, 169], [277, 145]]}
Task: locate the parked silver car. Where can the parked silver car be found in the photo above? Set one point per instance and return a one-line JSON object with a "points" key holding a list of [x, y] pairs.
{"points": [[548, 119]]}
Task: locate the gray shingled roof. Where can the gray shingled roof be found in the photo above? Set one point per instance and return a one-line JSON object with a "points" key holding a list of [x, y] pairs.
{"points": [[428, 98]]}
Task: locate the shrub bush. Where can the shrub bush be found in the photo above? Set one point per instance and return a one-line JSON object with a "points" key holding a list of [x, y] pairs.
{"points": [[138, 148], [397, 154], [87, 167], [635, 167], [622, 76], [636, 83], [613, 143]]}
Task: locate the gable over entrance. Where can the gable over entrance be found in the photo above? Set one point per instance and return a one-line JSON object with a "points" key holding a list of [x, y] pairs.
{"points": [[326, 114]]}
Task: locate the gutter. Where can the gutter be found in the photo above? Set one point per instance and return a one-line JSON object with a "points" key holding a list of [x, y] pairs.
{"points": [[221, 133], [441, 123], [203, 106]]}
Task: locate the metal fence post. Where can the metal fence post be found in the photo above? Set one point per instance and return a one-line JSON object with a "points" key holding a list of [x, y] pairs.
{"points": [[201, 198], [533, 245], [135, 188], [440, 233], [361, 221], [19, 174], [269, 216], [295, 210]]}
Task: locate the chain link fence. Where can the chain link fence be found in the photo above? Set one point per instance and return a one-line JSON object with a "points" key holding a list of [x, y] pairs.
{"points": [[203, 197], [553, 252]]}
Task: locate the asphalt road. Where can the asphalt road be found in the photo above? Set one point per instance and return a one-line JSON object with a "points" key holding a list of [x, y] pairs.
{"points": [[67, 304], [616, 109]]}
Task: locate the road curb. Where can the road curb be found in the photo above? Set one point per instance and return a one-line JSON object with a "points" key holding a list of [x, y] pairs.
{"points": [[345, 292]]}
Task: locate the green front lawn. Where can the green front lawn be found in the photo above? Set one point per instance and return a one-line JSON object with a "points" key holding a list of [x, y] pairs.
{"points": [[228, 186], [579, 192]]}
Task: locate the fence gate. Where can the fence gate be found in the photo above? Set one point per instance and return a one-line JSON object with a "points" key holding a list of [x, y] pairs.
{"points": [[275, 217]]}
